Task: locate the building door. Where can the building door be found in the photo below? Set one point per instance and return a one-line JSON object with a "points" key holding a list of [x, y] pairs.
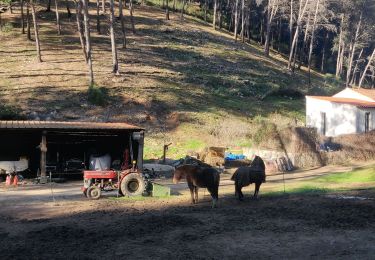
{"points": [[323, 123], [367, 122]]}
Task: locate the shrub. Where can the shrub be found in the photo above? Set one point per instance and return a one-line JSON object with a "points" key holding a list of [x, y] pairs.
{"points": [[7, 27], [10, 113], [97, 95]]}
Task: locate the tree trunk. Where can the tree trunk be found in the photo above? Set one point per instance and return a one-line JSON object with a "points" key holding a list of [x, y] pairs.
{"points": [[131, 15], [122, 24], [57, 18], [291, 26], [86, 22], [174, 5], [115, 68], [80, 28], [98, 16], [48, 6], [236, 20], [205, 10], [28, 22], [220, 14], [243, 21], [103, 6], [36, 32], [342, 57], [22, 18], [324, 52], [312, 39], [248, 26], [68, 9], [296, 33], [338, 73], [183, 9], [167, 11], [353, 80], [215, 13], [366, 68], [271, 11], [353, 48]]}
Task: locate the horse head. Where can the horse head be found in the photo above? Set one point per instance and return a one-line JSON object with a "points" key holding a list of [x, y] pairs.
{"points": [[178, 174]]}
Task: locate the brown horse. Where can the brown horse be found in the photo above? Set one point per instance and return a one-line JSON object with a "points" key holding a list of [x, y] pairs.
{"points": [[246, 175], [199, 177]]}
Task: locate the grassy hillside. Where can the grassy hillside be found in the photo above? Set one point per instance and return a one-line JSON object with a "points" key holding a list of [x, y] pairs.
{"points": [[181, 80]]}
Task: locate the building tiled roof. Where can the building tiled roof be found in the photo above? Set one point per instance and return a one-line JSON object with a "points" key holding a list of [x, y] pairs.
{"points": [[350, 101], [66, 125], [366, 92]]}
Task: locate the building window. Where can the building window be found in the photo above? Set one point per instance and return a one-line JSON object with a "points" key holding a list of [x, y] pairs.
{"points": [[367, 122], [323, 123]]}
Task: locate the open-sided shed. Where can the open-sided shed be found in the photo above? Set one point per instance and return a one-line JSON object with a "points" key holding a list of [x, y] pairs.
{"points": [[54, 144]]}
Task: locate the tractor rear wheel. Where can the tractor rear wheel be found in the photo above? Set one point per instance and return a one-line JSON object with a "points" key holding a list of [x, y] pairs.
{"points": [[132, 185], [93, 192]]}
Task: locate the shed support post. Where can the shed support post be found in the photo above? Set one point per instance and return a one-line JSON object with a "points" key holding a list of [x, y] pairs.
{"points": [[43, 153], [139, 137]]}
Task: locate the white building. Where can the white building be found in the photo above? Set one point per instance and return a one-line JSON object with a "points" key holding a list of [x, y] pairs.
{"points": [[349, 111]]}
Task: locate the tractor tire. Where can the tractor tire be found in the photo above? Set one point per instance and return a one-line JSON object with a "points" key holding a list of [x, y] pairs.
{"points": [[93, 192], [132, 185]]}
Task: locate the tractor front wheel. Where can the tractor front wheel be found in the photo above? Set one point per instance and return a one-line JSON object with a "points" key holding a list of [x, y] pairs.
{"points": [[132, 185], [93, 192]]}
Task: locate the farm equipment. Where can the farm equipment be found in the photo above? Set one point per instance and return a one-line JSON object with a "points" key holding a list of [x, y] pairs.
{"points": [[128, 182]]}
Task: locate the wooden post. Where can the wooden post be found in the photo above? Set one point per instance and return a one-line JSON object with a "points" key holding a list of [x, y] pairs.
{"points": [[43, 153]]}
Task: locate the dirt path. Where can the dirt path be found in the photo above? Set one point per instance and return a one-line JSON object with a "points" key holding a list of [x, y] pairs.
{"points": [[32, 225]]}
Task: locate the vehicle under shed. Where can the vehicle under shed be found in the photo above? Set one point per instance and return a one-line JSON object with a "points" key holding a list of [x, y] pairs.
{"points": [[66, 147]]}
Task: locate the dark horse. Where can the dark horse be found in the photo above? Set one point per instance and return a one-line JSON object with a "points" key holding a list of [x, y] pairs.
{"points": [[246, 175], [199, 177]]}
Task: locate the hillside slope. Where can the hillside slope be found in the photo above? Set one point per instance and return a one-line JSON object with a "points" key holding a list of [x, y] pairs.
{"points": [[181, 80]]}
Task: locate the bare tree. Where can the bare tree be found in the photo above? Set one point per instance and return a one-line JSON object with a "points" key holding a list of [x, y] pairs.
{"points": [[28, 22], [301, 13], [48, 6], [98, 16], [88, 40], [272, 7], [121, 16], [103, 6], [115, 68], [214, 15], [131, 10], [183, 9], [366, 68], [57, 18], [36, 31], [312, 39], [340, 48], [353, 46], [80, 28], [22, 17], [243, 20], [167, 11], [236, 20]]}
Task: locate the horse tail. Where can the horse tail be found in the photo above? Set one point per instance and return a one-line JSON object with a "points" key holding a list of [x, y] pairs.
{"points": [[234, 176]]}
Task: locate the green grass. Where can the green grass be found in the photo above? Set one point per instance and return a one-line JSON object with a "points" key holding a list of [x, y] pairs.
{"points": [[359, 175], [363, 178]]}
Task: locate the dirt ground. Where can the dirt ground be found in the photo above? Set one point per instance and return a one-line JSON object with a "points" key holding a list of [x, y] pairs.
{"points": [[33, 225]]}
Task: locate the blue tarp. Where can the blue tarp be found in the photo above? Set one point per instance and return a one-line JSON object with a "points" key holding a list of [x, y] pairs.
{"points": [[233, 157]]}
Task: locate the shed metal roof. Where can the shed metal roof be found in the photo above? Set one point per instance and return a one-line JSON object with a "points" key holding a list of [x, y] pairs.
{"points": [[67, 125], [349, 101]]}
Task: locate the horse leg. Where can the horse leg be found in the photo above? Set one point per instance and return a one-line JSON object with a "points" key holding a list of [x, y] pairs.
{"points": [[214, 194], [238, 191], [196, 194], [191, 188], [257, 186]]}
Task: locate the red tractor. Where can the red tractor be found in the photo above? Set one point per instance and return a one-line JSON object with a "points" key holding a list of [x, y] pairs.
{"points": [[127, 182]]}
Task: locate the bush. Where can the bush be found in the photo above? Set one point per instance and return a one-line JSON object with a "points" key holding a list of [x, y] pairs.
{"points": [[97, 95], [7, 27], [10, 113]]}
